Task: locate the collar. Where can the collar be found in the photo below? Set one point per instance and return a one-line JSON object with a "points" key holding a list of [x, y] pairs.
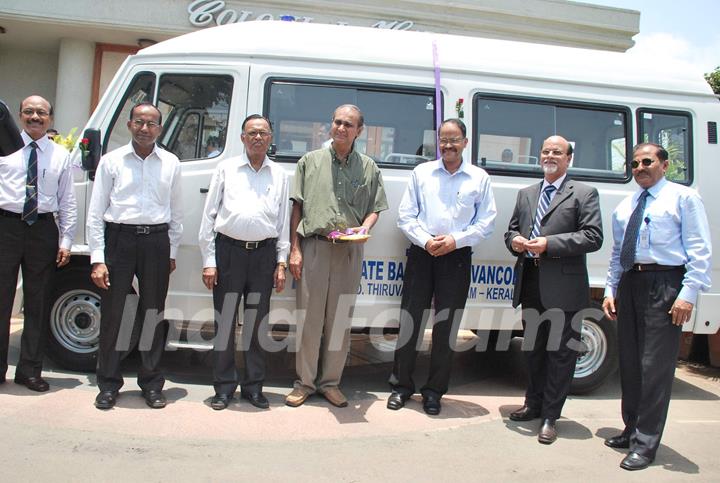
{"points": [[42, 143], [440, 165], [245, 161], [654, 190], [335, 157], [557, 183], [130, 149]]}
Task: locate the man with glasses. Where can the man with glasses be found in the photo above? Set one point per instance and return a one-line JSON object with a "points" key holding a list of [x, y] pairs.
{"points": [[335, 189], [555, 224], [660, 262], [244, 241], [35, 183], [134, 228], [447, 208]]}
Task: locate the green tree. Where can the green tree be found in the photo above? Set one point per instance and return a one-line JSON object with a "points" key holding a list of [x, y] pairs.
{"points": [[713, 79]]}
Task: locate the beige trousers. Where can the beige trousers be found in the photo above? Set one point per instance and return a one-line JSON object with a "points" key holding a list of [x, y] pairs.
{"points": [[326, 297]]}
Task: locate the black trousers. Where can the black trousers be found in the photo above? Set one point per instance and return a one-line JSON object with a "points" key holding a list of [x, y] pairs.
{"points": [[445, 279], [146, 257], [648, 346], [246, 274], [550, 367], [34, 248]]}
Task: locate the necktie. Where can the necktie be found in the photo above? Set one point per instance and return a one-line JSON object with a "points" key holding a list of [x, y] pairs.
{"points": [[627, 252], [543, 204], [30, 210]]}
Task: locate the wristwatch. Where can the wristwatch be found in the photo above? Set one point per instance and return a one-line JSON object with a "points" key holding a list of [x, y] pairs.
{"points": [[283, 265]]}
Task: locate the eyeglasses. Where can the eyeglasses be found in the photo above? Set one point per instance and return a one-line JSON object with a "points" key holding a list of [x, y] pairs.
{"points": [[262, 134], [347, 125], [451, 140], [547, 152], [39, 112], [645, 162], [139, 123]]}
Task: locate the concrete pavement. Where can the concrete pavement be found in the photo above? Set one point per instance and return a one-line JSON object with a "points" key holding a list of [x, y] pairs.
{"points": [[59, 435]]}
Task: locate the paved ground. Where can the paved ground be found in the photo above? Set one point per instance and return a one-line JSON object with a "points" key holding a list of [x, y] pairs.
{"points": [[60, 436]]}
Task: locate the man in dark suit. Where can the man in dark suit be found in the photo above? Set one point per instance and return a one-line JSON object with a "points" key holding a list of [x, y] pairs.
{"points": [[555, 223]]}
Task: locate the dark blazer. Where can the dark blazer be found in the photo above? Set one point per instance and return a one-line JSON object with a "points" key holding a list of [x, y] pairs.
{"points": [[573, 227]]}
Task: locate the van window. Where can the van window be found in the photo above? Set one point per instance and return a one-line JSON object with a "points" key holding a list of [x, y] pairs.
{"points": [[141, 89], [399, 122], [509, 133], [673, 131], [195, 112]]}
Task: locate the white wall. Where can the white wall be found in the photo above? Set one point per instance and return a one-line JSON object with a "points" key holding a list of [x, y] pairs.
{"points": [[24, 73]]}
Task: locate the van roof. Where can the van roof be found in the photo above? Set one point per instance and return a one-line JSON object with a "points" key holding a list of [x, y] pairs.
{"points": [[456, 54]]}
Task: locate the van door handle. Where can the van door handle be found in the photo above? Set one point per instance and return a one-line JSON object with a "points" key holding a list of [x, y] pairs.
{"points": [[204, 190]]}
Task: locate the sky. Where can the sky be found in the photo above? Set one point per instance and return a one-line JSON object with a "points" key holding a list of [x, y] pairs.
{"points": [[684, 29]]}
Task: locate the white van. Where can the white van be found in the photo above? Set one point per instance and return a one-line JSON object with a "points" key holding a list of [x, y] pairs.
{"points": [[512, 96]]}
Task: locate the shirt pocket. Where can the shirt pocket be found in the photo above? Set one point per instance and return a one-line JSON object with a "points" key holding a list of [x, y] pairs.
{"points": [[664, 229], [360, 197], [465, 204], [48, 183]]}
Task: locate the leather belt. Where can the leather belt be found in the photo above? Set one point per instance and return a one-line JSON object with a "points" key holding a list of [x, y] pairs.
{"points": [[247, 245], [334, 241], [532, 261], [654, 267], [12, 214], [137, 229]]}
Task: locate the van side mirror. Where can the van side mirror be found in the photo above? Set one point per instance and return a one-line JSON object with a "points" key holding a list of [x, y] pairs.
{"points": [[91, 158], [272, 151]]}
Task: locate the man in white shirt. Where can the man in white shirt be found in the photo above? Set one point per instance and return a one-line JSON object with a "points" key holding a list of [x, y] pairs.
{"points": [[134, 229], [244, 240], [447, 208], [35, 183]]}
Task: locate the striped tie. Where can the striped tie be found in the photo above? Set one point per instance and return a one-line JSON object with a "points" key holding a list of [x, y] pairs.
{"points": [[543, 204], [30, 210], [629, 244]]}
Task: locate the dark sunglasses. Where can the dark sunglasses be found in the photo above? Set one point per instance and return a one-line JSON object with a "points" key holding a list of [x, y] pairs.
{"points": [[645, 162]]}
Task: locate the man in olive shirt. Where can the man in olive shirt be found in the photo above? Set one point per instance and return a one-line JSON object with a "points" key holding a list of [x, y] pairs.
{"points": [[336, 188]]}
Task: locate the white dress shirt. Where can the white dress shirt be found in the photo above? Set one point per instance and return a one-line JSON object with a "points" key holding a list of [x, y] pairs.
{"points": [[55, 184], [677, 233], [135, 191], [437, 202], [247, 205]]}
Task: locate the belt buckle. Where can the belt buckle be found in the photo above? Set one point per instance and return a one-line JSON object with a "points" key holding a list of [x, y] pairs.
{"points": [[638, 267], [251, 245], [142, 230]]}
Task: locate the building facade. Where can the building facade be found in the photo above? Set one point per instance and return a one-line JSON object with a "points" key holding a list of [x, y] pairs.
{"points": [[69, 52]]}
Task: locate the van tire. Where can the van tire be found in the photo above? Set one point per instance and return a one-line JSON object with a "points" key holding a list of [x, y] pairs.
{"points": [[600, 360], [74, 321]]}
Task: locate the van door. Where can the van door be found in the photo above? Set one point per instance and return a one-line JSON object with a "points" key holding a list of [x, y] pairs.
{"points": [[196, 103]]}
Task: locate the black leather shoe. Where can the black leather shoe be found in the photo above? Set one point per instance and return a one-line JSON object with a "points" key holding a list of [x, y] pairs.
{"points": [[154, 399], [106, 399], [525, 413], [37, 384], [2, 379], [220, 401], [634, 461], [547, 433], [431, 405], [257, 399], [396, 401], [622, 440]]}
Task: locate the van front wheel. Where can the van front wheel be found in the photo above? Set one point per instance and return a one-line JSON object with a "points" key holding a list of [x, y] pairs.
{"points": [[74, 321], [598, 358]]}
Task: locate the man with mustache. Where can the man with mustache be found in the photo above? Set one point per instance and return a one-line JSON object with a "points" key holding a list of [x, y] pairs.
{"points": [[554, 225], [35, 182], [660, 262], [447, 208], [244, 241], [134, 229], [335, 188]]}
